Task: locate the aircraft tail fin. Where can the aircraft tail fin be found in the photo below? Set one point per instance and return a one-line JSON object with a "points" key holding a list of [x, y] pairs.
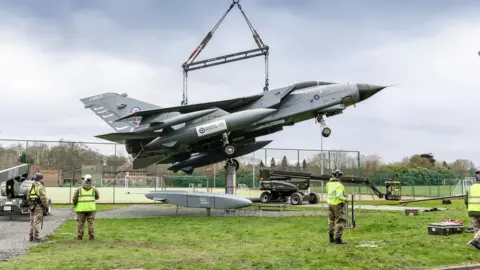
{"points": [[111, 106]]}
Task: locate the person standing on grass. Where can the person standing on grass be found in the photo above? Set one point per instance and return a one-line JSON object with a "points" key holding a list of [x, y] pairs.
{"points": [[472, 201], [336, 210], [84, 201], [37, 202]]}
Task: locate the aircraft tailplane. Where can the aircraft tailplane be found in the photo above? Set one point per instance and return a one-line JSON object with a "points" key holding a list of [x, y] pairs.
{"points": [[111, 106]]}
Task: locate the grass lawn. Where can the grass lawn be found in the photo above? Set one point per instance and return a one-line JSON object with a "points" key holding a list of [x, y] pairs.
{"points": [[255, 243]]}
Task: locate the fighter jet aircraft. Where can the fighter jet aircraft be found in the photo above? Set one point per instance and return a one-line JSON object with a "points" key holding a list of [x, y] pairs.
{"points": [[196, 135]]}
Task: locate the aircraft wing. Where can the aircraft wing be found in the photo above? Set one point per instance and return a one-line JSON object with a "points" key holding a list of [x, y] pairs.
{"points": [[227, 105]]}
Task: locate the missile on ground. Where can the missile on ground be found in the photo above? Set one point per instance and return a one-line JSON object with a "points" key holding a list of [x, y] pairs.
{"points": [[227, 123], [198, 199], [215, 155], [159, 122]]}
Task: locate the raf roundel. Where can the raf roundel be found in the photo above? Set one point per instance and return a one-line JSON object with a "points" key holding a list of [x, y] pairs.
{"points": [[201, 130], [316, 97], [135, 109]]}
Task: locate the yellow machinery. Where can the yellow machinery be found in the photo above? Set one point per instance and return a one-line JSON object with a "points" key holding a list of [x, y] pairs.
{"points": [[393, 190]]}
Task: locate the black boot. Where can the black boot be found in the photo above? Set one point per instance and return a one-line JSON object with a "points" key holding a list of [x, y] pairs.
{"points": [[474, 243], [339, 241], [31, 238], [331, 238]]}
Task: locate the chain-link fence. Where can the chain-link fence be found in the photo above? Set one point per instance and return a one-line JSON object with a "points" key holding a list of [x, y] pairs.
{"points": [[63, 164]]}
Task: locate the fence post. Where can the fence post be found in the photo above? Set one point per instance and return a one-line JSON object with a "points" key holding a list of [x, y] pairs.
{"points": [[70, 200], [438, 187], [413, 188], [265, 149], [115, 173], [359, 170], [329, 161], [26, 152]]}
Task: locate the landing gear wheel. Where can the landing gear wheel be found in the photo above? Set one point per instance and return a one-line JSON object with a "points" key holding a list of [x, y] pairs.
{"points": [[326, 132], [229, 150], [296, 199], [265, 197]]}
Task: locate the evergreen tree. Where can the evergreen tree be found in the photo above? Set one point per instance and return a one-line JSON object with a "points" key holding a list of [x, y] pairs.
{"points": [[25, 158], [272, 163], [284, 163]]}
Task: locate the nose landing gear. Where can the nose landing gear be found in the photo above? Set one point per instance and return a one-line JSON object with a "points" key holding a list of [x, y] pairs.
{"points": [[228, 148], [326, 131]]}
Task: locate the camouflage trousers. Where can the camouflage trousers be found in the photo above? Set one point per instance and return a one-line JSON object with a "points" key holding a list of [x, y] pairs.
{"points": [[36, 217], [476, 227], [336, 220], [81, 217]]}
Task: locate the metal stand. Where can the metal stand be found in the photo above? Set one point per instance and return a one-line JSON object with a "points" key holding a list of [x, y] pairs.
{"points": [[348, 224], [231, 179], [230, 182]]}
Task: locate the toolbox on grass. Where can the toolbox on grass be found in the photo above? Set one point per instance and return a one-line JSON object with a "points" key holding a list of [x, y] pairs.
{"points": [[445, 228]]}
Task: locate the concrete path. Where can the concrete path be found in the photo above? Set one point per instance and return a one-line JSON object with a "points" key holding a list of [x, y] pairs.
{"points": [[14, 233]]}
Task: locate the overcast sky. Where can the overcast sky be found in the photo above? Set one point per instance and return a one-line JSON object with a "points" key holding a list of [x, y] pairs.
{"points": [[52, 53]]}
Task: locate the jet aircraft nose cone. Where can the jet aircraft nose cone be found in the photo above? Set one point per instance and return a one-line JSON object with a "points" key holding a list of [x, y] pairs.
{"points": [[367, 90]]}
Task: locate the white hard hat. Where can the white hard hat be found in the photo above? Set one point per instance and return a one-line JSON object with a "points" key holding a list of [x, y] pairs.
{"points": [[87, 177]]}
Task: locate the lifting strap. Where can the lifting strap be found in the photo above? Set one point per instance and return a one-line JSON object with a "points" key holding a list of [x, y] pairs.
{"points": [[190, 65]]}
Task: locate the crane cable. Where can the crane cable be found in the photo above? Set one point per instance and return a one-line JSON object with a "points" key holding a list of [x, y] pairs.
{"points": [[207, 38]]}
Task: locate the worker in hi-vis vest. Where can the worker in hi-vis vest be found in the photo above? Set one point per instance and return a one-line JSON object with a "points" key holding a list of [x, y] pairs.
{"points": [[38, 205], [84, 201], [336, 211], [472, 201]]}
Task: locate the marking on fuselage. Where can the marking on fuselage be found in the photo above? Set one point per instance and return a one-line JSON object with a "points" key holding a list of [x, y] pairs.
{"points": [[99, 108], [210, 128], [121, 128]]}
